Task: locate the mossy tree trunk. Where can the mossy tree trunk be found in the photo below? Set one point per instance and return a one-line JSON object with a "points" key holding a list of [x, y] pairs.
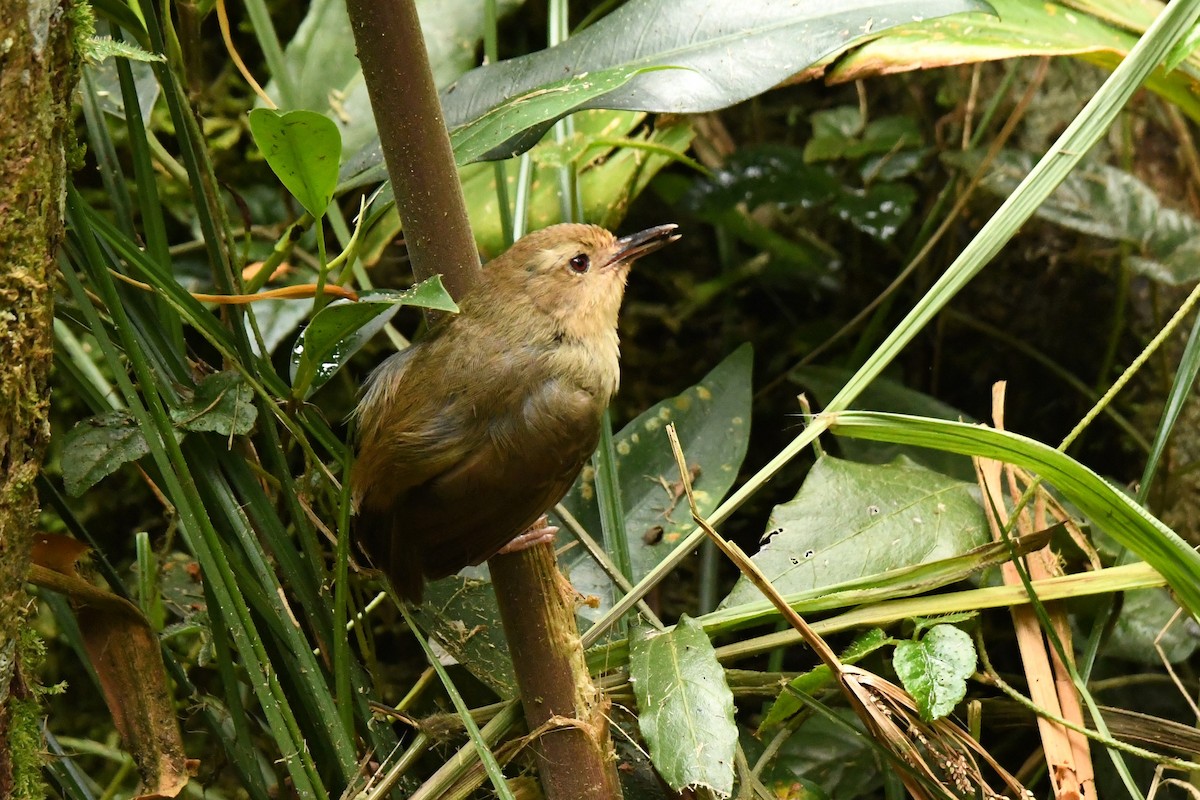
{"points": [[38, 72]]}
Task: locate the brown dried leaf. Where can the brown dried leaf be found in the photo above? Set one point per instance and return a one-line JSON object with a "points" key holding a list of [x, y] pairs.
{"points": [[124, 651]]}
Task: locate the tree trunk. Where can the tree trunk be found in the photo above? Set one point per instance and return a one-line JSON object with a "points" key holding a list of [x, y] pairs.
{"points": [[38, 72]]}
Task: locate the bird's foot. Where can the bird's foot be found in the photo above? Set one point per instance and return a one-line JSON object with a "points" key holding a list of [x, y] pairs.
{"points": [[538, 533]]}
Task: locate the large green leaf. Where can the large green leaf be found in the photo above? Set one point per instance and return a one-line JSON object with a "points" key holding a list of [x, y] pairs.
{"points": [[1022, 28], [1120, 516], [853, 520], [486, 135], [324, 68], [733, 51], [712, 419], [1104, 201], [685, 708]]}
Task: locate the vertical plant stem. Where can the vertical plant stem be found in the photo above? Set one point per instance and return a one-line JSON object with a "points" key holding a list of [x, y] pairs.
{"points": [[538, 613], [416, 148], [575, 760]]}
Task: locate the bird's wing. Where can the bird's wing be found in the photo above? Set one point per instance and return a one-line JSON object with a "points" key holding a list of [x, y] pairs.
{"points": [[465, 515]]}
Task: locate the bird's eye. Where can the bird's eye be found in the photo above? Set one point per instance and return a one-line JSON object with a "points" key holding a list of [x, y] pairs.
{"points": [[580, 264]]}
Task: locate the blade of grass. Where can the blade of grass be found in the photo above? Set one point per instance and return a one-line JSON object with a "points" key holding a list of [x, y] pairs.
{"points": [[196, 527], [1119, 515]]}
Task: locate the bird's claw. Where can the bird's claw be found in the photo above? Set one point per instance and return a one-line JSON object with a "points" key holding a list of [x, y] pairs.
{"points": [[538, 533]]}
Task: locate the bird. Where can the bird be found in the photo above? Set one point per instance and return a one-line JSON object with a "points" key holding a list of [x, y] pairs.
{"points": [[467, 437]]}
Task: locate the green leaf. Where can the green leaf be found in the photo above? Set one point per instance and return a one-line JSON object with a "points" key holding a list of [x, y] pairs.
{"points": [[820, 676], [733, 51], [461, 613], [99, 446], [879, 210], [1146, 621], [1123, 519], [935, 669], [223, 403], [1104, 201], [758, 174], [1183, 49], [341, 328], [327, 75], [496, 134], [713, 423], [303, 148], [854, 520], [685, 708]]}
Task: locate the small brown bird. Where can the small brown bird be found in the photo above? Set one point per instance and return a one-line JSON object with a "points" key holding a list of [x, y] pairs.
{"points": [[469, 436]]}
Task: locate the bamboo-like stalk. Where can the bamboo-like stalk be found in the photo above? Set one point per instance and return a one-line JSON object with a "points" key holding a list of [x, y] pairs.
{"points": [[538, 611]]}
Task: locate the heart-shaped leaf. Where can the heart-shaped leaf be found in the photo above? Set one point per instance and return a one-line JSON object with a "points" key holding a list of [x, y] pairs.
{"points": [[303, 148], [935, 669]]}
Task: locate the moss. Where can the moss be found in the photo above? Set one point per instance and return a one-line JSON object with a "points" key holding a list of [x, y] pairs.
{"points": [[25, 708]]}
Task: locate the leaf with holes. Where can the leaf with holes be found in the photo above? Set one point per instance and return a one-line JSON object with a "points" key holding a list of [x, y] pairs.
{"points": [[855, 520], [685, 707]]}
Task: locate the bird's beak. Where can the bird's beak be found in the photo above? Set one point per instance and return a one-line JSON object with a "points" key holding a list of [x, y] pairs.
{"points": [[636, 245]]}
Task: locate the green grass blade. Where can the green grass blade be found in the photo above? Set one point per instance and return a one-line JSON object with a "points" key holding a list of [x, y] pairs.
{"points": [[1104, 504]]}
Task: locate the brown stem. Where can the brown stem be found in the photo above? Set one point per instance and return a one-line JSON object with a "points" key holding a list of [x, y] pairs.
{"points": [[416, 148], [575, 757], [536, 604]]}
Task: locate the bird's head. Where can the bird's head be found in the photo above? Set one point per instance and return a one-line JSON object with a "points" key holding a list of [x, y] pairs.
{"points": [[573, 274]]}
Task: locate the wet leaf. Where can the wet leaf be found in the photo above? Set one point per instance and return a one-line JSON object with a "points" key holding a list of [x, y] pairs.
{"points": [[222, 403], [762, 174], [341, 328], [879, 210], [935, 669], [685, 708], [854, 520], [99, 446]]}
